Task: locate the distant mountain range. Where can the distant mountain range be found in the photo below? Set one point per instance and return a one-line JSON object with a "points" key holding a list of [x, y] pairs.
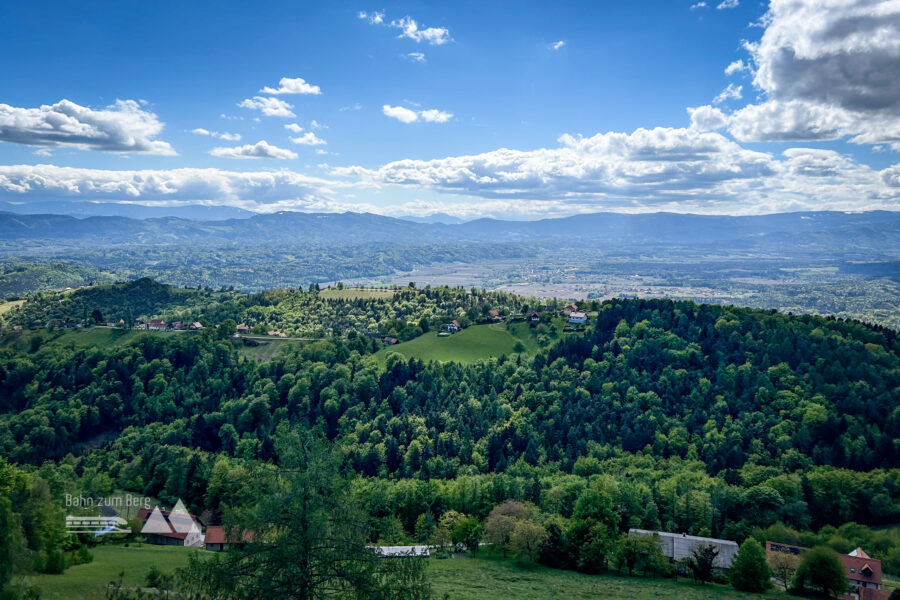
{"points": [[876, 231], [117, 209]]}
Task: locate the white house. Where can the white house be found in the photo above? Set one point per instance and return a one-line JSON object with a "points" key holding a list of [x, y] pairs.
{"points": [[577, 317]]}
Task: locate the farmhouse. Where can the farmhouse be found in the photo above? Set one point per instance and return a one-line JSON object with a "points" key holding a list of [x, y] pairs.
{"points": [[162, 532], [676, 546], [218, 540], [157, 325], [277, 334], [863, 572], [569, 308], [495, 314], [577, 317], [533, 316], [196, 325], [243, 329], [453, 326]]}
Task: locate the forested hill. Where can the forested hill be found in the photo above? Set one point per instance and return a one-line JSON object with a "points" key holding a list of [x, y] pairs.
{"points": [[768, 404]]}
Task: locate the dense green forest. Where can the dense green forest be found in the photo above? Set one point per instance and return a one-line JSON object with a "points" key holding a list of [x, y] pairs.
{"points": [[704, 419]]}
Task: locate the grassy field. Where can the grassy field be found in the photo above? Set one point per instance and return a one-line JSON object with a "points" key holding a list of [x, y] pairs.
{"points": [[470, 344], [108, 336], [90, 580], [357, 293], [459, 578], [9, 305], [492, 578], [267, 350]]}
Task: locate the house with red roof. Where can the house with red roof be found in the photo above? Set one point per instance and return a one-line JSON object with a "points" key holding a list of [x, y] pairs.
{"points": [[863, 572]]}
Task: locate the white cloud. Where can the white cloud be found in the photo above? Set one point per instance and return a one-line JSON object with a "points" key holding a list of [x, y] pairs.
{"points": [[406, 115], [732, 92], [728, 4], [260, 149], [402, 114], [736, 67], [296, 85], [828, 69], [433, 115], [271, 107], [374, 18], [254, 190], [698, 5], [416, 56], [707, 118], [308, 139], [680, 170], [121, 127], [316, 125], [558, 45], [229, 137], [356, 106], [293, 127], [409, 28]]}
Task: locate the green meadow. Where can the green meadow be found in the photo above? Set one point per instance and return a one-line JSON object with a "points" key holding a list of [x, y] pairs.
{"points": [[460, 578]]}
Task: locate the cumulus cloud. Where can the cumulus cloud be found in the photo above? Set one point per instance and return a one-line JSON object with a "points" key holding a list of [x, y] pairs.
{"points": [[558, 45], [260, 149], [698, 5], [682, 170], [416, 56], [707, 118], [406, 115], [253, 190], [833, 65], [121, 127], [296, 85], [229, 137], [727, 4], [308, 139], [293, 127], [271, 107]]}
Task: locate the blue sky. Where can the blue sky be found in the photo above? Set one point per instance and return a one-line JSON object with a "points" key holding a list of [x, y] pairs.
{"points": [[411, 120]]}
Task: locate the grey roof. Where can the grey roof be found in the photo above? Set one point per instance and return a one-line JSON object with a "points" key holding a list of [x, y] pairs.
{"points": [[679, 545]]}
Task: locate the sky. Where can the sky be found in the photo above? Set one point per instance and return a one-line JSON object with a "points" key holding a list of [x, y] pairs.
{"points": [[508, 109]]}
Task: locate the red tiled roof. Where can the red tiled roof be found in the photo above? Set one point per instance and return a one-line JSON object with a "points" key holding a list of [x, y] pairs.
{"points": [[215, 534], [857, 568]]}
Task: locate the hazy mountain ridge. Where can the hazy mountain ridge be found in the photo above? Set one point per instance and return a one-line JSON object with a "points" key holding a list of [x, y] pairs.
{"points": [[877, 229]]}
